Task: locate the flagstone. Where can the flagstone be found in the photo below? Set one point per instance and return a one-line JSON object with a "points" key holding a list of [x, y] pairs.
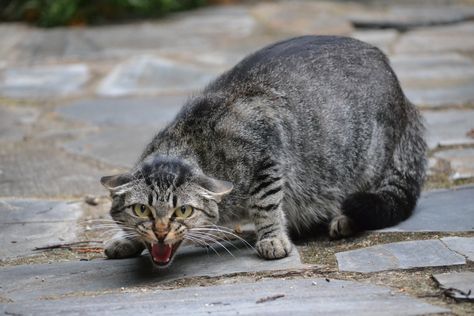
{"points": [[266, 297], [399, 255]]}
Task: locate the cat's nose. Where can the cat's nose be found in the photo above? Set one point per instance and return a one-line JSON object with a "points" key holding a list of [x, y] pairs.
{"points": [[161, 236], [161, 229]]}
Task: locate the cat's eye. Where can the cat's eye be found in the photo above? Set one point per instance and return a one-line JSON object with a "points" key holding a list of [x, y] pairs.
{"points": [[141, 210], [184, 211]]}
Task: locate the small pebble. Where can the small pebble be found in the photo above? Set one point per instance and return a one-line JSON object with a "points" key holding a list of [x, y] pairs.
{"points": [[314, 283], [91, 200]]}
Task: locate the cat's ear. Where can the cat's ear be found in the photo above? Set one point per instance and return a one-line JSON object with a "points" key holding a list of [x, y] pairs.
{"points": [[114, 182], [216, 188]]}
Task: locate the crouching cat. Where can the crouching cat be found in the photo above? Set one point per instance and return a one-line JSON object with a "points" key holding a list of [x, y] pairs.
{"points": [[311, 130]]}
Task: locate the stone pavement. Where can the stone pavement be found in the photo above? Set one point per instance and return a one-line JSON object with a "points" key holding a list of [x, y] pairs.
{"points": [[76, 104]]}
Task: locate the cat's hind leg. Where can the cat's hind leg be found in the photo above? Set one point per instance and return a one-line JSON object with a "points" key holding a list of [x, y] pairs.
{"points": [[394, 198], [266, 209], [120, 247]]}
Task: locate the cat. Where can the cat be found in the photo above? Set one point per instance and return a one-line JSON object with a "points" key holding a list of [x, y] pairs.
{"points": [[311, 130]]}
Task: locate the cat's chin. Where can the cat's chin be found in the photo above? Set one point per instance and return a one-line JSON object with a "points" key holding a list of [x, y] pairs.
{"points": [[162, 254]]}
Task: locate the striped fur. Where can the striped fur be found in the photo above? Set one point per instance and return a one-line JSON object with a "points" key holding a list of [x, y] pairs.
{"points": [[311, 130]]}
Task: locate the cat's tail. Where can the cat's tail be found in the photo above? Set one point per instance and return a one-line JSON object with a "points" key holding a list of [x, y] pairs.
{"points": [[394, 199]]}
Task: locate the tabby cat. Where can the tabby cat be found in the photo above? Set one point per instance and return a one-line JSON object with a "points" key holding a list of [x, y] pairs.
{"points": [[311, 130]]}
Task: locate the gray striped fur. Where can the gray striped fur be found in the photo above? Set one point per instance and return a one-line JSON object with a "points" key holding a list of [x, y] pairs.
{"points": [[311, 130]]}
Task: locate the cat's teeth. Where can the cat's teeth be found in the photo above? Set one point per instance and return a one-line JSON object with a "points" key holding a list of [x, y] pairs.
{"points": [[161, 253]]}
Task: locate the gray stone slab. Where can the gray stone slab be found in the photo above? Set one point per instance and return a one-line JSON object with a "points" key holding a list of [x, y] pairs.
{"points": [[35, 169], [451, 38], [461, 94], [306, 17], [201, 30], [406, 17], [16, 122], [434, 80], [11, 34], [399, 255], [459, 285], [154, 112], [462, 245], [115, 146], [148, 75], [450, 127], [383, 39], [217, 22], [26, 224], [99, 275], [441, 210], [55, 44], [44, 81], [461, 162], [291, 297], [124, 126]]}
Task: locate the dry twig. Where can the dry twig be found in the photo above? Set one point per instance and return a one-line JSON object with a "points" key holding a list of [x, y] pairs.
{"points": [[269, 298]]}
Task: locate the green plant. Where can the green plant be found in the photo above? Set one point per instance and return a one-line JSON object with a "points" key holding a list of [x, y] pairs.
{"points": [[49, 13]]}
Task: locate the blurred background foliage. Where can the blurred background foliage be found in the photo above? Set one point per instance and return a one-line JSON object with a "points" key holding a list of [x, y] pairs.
{"points": [[50, 13]]}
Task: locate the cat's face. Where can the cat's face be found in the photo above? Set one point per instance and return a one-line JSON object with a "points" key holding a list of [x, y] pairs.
{"points": [[162, 202]]}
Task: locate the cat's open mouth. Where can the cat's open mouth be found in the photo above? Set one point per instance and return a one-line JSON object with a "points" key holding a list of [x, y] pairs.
{"points": [[162, 254]]}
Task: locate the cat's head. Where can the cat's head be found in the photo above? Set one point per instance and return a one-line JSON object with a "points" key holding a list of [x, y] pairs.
{"points": [[161, 200]]}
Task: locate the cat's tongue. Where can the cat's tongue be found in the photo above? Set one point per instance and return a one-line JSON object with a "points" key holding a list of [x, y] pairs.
{"points": [[161, 253]]}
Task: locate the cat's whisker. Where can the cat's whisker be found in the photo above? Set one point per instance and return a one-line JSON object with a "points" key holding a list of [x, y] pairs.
{"points": [[220, 238], [105, 226], [224, 228], [115, 231], [201, 242], [120, 233], [225, 232], [100, 221], [213, 240], [207, 243], [111, 226], [107, 233], [120, 237]]}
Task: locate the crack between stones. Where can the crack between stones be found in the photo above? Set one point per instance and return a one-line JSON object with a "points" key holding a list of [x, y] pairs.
{"points": [[457, 252]]}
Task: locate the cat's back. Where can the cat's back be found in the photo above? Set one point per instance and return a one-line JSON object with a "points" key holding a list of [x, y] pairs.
{"points": [[299, 61]]}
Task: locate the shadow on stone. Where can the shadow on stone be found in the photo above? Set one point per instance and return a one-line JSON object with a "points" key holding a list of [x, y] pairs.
{"points": [[42, 280]]}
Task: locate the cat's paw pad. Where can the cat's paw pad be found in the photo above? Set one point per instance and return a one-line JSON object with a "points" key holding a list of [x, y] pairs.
{"points": [[341, 226], [274, 247], [122, 248]]}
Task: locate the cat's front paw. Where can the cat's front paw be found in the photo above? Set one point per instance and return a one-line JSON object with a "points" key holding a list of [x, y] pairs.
{"points": [[274, 247], [123, 248]]}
